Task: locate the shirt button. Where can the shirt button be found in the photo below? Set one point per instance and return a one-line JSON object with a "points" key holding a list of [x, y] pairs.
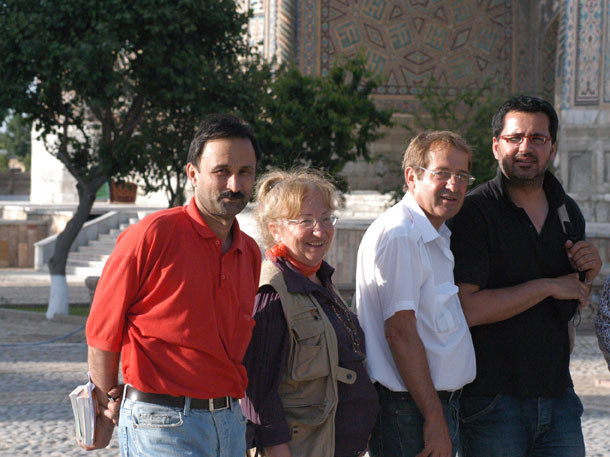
{"points": [[349, 376], [223, 276], [216, 242]]}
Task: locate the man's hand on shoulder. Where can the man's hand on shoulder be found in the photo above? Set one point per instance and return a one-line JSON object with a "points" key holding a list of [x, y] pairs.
{"points": [[584, 256]]}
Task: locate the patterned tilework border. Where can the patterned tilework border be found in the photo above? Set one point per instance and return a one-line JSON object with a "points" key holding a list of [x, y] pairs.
{"points": [[271, 39], [607, 55], [544, 62], [589, 52], [523, 66], [298, 45], [568, 68], [308, 36], [548, 9], [548, 59]]}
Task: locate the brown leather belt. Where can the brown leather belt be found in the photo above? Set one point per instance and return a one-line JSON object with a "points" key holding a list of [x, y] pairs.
{"points": [[211, 404], [442, 394]]}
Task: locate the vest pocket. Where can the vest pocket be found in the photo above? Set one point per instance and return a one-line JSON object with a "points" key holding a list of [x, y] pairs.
{"points": [[310, 355], [305, 411]]}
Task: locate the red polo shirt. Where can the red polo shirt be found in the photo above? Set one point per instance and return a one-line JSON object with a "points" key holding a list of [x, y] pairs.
{"points": [[176, 307]]}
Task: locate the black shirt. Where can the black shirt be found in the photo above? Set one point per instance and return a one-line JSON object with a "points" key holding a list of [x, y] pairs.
{"points": [[496, 245]]}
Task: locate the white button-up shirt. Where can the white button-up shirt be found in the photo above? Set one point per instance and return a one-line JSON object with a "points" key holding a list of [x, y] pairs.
{"points": [[404, 263]]}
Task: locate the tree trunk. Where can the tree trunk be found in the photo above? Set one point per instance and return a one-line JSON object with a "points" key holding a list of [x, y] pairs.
{"points": [[58, 296], [176, 199]]}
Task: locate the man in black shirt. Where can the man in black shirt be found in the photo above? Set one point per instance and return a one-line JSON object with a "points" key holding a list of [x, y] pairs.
{"points": [[518, 242]]}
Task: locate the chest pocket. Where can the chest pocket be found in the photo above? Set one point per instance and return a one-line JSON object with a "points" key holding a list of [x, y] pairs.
{"points": [[448, 313], [310, 358]]}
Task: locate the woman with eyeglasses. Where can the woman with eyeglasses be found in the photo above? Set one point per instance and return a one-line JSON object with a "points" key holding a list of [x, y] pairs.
{"points": [[308, 392]]}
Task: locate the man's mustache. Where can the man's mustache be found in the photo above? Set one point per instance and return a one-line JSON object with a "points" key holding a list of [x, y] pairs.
{"points": [[232, 195]]}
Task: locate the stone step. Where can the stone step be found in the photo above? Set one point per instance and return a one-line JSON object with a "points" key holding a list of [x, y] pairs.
{"points": [[89, 260], [107, 237], [365, 204], [102, 244], [83, 272], [85, 263], [88, 250], [88, 256], [364, 215]]}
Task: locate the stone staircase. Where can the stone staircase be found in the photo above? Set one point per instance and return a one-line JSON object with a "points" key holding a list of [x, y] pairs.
{"points": [[361, 208], [364, 205], [89, 260]]}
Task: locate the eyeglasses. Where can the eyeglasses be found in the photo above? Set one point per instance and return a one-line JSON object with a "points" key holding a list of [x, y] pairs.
{"points": [[446, 176], [310, 222], [536, 140]]}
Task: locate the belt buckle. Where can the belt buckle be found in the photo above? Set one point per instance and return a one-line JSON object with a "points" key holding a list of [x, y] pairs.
{"points": [[211, 405]]}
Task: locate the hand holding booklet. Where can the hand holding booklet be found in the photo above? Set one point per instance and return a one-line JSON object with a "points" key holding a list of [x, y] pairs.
{"points": [[84, 409]]}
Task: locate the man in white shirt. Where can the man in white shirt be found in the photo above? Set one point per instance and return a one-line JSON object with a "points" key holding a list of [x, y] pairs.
{"points": [[419, 349]]}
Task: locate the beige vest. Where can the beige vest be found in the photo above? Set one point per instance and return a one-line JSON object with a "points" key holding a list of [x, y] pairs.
{"points": [[309, 383]]}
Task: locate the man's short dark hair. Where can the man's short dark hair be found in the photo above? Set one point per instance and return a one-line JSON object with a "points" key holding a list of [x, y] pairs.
{"points": [[217, 126], [525, 104]]}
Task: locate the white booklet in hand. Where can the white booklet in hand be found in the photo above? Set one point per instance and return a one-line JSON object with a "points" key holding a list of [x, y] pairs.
{"points": [[83, 406]]}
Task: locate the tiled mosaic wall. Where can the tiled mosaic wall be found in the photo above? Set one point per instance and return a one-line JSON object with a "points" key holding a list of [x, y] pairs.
{"points": [[460, 43]]}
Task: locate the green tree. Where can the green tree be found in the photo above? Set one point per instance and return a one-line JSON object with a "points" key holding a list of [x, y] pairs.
{"points": [[166, 136], [320, 122], [467, 111], [299, 120], [88, 73]]}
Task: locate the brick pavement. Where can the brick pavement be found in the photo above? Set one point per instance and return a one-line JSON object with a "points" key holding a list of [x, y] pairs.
{"points": [[36, 417]]}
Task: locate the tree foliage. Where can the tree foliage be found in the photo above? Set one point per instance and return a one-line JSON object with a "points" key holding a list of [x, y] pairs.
{"points": [[90, 73], [319, 121], [165, 137], [467, 111]]}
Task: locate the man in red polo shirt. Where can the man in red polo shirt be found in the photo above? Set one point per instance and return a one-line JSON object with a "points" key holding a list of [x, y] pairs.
{"points": [[175, 301]]}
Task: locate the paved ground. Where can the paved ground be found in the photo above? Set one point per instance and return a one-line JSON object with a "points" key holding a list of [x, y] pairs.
{"points": [[35, 413]]}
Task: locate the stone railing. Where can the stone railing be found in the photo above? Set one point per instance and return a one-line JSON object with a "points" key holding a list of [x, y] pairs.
{"points": [[343, 254], [91, 230]]}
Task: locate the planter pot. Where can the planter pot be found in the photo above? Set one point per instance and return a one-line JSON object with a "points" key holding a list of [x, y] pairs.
{"points": [[123, 193]]}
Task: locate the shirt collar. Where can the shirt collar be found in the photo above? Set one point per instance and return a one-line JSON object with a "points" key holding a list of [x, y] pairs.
{"points": [[421, 221], [553, 189], [297, 283], [205, 231]]}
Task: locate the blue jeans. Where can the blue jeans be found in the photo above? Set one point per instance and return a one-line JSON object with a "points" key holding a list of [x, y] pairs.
{"points": [[398, 431], [506, 426], [151, 430]]}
